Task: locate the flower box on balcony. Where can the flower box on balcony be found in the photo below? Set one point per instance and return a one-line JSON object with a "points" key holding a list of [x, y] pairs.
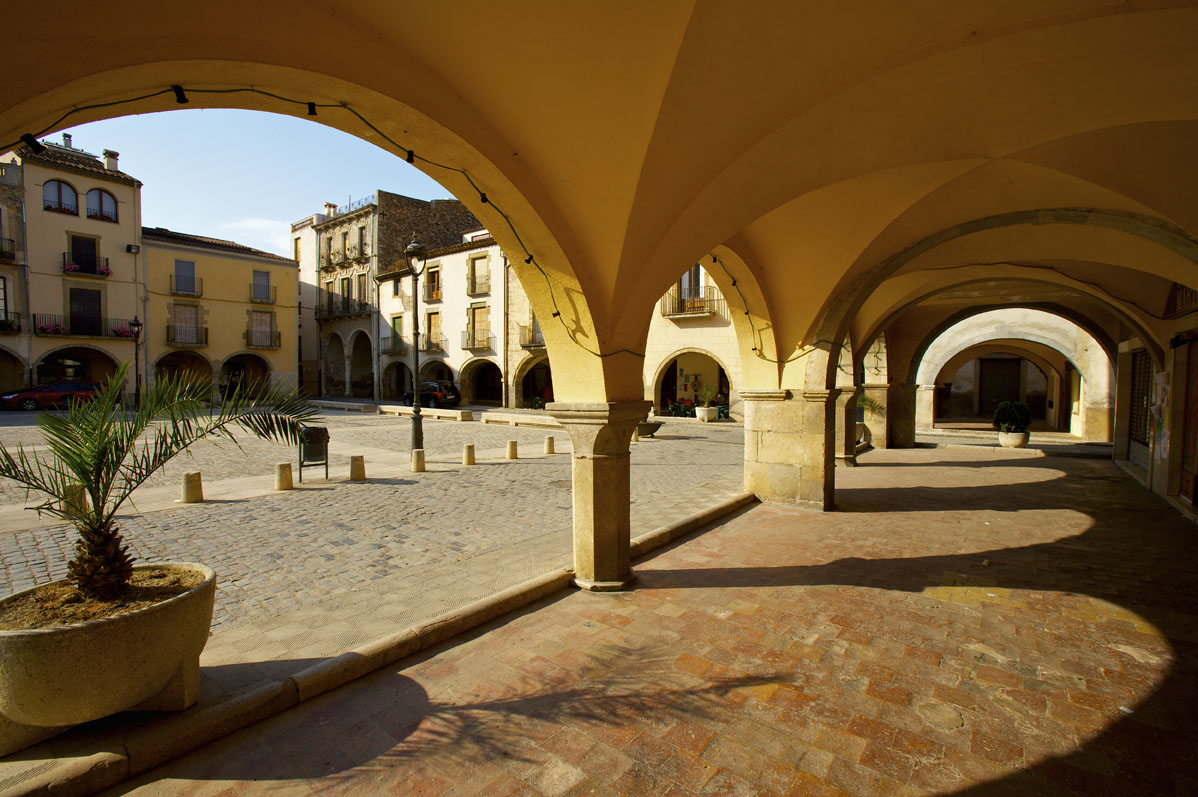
{"points": [[51, 329]]}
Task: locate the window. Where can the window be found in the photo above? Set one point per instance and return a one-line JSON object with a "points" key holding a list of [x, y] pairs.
{"points": [[478, 276], [261, 331], [185, 278], [344, 243], [397, 326], [3, 299], [362, 241], [60, 197], [395, 287], [432, 285], [261, 287], [1141, 395], [691, 284], [362, 288], [187, 323], [477, 327], [83, 255], [434, 332], [85, 312], [346, 291], [101, 205], [296, 250]]}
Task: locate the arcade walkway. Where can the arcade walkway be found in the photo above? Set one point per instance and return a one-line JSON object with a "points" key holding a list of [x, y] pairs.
{"points": [[967, 617]]}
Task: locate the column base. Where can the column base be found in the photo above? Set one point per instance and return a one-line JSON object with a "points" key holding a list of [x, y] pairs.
{"points": [[846, 460], [604, 586]]}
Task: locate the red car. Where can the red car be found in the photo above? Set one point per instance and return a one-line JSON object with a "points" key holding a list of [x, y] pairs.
{"points": [[52, 395]]}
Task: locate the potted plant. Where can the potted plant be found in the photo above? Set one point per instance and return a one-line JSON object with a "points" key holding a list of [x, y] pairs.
{"points": [[138, 630], [706, 413], [1011, 419]]}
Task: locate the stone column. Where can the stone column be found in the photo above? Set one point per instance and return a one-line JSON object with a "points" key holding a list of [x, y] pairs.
{"points": [[789, 444], [349, 369], [925, 408], [600, 434], [846, 428], [900, 416], [876, 423]]}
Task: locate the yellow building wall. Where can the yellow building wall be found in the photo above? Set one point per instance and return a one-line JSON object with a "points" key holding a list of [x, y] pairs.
{"points": [[224, 281]]}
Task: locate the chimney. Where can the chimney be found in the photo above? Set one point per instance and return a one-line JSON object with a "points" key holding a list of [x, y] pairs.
{"points": [[110, 162], [330, 208], [66, 140]]}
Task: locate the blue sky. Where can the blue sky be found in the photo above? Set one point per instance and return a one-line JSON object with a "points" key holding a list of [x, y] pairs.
{"points": [[243, 175]]}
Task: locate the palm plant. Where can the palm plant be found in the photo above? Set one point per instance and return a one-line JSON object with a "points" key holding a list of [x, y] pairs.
{"points": [[98, 458]]}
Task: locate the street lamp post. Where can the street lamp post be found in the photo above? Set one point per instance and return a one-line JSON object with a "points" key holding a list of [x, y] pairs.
{"points": [[136, 325], [414, 252]]}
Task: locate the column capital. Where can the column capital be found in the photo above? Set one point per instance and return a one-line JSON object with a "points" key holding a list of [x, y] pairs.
{"points": [[764, 395], [598, 412]]}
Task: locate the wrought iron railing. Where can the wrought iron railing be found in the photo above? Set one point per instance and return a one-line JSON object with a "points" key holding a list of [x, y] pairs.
{"points": [[432, 344], [61, 207], [183, 285], [102, 215], [89, 265], [8, 249], [478, 284], [692, 303], [81, 325], [531, 337], [263, 294], [262, 338], [393, 344], [186, 335], [10, 323], [432, 292], [333, 305], [474, 340]]}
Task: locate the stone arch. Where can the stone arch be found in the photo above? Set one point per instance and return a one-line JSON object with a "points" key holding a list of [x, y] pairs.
{"points": [[532, 376], [668, 361], [96, 365], [436, 369], [1038, 356], [361, 365], [1073, 342], [241, 366], [332, 369], [184, 361], [396, 380], [14, 369], [480, 381]]}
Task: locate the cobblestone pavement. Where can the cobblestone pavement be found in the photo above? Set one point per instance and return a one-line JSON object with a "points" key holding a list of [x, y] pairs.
{"points": [[969, 620], [278, 552]]}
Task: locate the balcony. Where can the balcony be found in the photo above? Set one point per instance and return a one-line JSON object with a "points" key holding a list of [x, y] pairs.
{"points": [[54, 206], [10, 323], [102, 215], [333, 306], [186, 335], [8, 249], [78, 265], [81, 326], [432, 292], [186, 286], [477, 340], [692, 305], [262, 339], [393, 344], [263, 294], [531, 337], [478, 284], [432, 344]]}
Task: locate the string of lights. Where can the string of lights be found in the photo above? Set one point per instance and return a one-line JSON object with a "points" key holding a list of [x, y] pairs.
{"points": [[312, 109]]}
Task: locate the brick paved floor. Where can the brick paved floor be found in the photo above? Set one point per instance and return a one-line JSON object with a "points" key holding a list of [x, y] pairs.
{"points": [[968, 620]]}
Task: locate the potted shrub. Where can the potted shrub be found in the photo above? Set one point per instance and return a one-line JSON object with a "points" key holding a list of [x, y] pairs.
{"points": [[706, 413], [1011, 419], [113, 636]]}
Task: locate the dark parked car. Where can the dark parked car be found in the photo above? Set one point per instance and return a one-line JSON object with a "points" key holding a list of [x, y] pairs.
{"points": [[52, 395], [436, 394]]}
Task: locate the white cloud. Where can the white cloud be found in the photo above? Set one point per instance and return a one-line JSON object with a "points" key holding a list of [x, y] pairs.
{"points": [[269, 235]]}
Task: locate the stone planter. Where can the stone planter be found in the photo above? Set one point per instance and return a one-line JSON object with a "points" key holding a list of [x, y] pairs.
{"points": [[145, 660], [1013, 439], [706, 414]]}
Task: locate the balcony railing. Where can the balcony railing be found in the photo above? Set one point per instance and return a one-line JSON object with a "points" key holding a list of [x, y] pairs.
{"points": [[326, 260], [182, 285], [90, 266], [263, 294], [432, 344], [334, 306], [393, 344], [186, 335], [8, 249], [432, 292], [531, 337], [60, 207], [81, 326], [102, 215], [675, 303], [10, 323], [478, 285], [475, 340], [262, 338]]}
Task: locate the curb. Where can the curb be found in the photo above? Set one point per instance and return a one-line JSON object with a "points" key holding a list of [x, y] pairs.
{"points": [[158, 742]]}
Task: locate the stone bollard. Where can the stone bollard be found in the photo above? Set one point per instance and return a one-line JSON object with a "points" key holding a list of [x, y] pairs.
{"points": [[549, 444], [511, 450], [193, 488], [75, 500], [636, 435], [283, 476], [417, 460], [357, 468], [468, 454]]}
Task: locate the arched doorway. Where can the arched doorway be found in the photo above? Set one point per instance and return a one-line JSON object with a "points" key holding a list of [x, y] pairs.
{"points": [[482, 383], [397, 380], [361, 367], [435, 371], [242, 367], [334, 366], [686, 379], [75, 363], [183, 363], [536, 388], [12, 371]]}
